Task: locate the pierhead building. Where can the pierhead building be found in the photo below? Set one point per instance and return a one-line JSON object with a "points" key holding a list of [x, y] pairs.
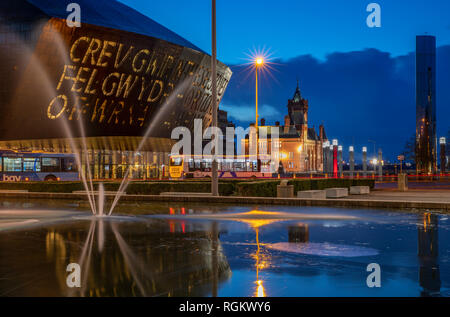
{"points": [[299, 145]]}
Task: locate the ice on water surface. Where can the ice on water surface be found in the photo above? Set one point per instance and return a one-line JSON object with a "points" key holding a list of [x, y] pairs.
{"points": [[323, 249]]}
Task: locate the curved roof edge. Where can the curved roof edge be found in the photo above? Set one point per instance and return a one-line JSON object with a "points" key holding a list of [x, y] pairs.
{"points": [[115, 15]]}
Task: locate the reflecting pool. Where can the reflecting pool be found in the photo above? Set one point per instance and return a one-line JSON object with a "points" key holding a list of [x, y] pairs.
{"points": [[163, 249]]}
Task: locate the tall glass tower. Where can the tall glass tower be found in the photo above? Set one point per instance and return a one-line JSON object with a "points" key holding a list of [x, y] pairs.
{"points": [[426, 141]]}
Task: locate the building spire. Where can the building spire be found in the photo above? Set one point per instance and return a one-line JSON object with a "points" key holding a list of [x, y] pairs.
{"points": [[297, 94]]}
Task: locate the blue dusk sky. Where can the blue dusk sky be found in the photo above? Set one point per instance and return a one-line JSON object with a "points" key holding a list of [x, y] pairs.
{"points": [[359, 80]]}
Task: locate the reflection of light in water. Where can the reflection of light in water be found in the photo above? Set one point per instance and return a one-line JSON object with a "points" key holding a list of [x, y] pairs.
{"points": [[54, 242], [255, 223], [426, 220], [255, 216], [257, 219], [259, 265], [428, 253], [55, 247], [260, 290], [323, 249]]}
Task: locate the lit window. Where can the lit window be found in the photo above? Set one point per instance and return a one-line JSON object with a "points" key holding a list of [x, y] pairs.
{"points": [[31, 164], [12, 164]]}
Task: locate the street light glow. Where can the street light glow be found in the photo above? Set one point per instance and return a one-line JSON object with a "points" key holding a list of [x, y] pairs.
{"points": [[259, 61]]}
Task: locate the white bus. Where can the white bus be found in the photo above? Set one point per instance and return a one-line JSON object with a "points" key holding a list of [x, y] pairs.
{"points": [[200, 167]]}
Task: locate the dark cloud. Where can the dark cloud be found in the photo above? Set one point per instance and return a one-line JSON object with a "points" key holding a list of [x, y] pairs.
{"points": [[358, 95]]}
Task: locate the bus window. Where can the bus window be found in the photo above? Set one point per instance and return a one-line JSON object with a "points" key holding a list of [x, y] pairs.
{"points": [[205, 166], [31, 164], [191, 165], [69, 164], [51, 164], [176, 161], [239, 166], [12, 164]]}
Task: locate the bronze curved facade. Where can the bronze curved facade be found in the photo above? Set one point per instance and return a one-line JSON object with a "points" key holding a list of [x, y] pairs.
{"points": [[118, 84]]}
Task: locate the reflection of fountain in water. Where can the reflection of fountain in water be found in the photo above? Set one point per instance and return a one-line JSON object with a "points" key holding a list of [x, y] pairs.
{"points": [[101, 199], [133, 263], [146, 269]]}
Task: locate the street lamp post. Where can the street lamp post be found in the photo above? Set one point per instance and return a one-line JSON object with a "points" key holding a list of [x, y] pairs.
{"points": [[258, 63], [380, 164], [325, 156], [443, 143], [335, 158], [364, 150], [214, 176], [351, 150]]}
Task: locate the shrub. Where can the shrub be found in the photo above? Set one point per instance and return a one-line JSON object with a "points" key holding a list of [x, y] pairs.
{"points": [[257, 189], [156, 188], [269, 188], [46, 187], [249, 188]]}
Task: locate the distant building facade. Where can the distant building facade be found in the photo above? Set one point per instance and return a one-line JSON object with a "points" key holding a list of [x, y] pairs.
{"points": [[426, 140], [300, 147], [223, 124]]}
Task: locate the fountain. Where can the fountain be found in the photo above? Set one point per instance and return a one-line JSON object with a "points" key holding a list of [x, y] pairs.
{"points": [[36, 68], [166, 107], [79, 146]]}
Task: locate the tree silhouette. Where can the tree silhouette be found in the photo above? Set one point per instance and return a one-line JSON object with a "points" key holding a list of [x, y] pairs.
{"points": [[409, 150]]}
